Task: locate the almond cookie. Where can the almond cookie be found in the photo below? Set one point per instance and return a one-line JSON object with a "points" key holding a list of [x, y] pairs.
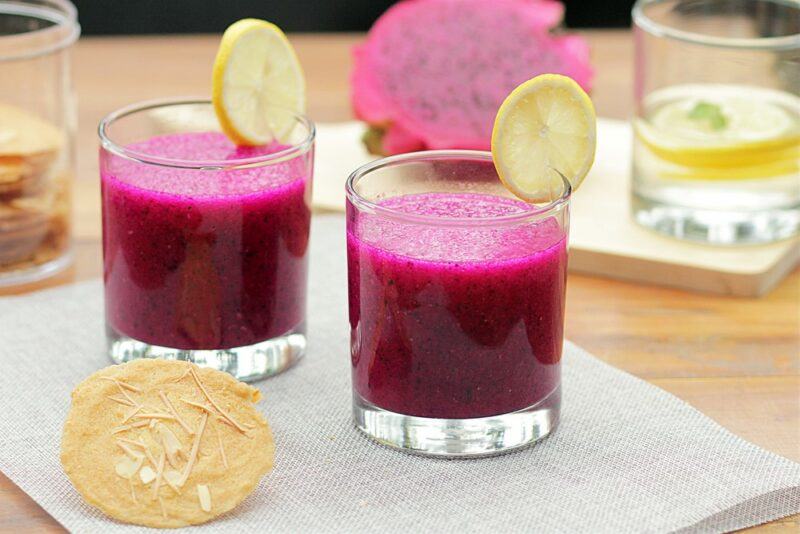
{"points": [[17, 178], [165, 443], [29, 145], [24, 134], [22, 231], [20, 177]]}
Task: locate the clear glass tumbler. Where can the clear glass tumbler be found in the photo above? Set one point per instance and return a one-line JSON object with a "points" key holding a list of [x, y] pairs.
{"points": [[717, 126], [205, 244], [37, 134], [456, 300]]}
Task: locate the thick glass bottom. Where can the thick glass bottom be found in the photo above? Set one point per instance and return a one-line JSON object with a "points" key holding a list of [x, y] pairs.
{"points": [[717, 227], [35, 273], [459, 438], [248, 363]]}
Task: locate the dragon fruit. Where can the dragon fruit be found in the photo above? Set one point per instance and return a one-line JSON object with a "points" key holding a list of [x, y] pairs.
{"points": [[432, 73]]}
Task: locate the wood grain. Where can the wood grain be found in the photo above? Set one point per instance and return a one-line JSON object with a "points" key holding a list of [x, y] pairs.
{"points": [[737, 360]]}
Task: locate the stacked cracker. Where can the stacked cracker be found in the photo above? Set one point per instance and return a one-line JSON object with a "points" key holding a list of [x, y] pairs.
{"points": [[34, 191]]}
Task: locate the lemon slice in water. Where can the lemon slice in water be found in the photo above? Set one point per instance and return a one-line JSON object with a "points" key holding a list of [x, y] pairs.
{"points": [[256, 73], [723, 127]]}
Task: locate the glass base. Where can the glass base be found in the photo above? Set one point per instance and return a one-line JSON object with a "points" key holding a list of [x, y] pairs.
{"points": [[459, 438], [37, 272], [717, 227], [248, 363]]}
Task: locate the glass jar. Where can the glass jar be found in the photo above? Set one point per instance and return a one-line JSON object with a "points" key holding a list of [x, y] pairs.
{"points": [[37, 137], [456, 300], [205, 244], [716, 155]]}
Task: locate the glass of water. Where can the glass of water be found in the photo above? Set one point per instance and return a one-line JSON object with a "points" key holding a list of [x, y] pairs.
{"points": [[717, 125]]}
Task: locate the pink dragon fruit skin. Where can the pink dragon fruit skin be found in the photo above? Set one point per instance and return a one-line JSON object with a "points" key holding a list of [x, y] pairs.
{"points": [[433, 73], [398, 140]]}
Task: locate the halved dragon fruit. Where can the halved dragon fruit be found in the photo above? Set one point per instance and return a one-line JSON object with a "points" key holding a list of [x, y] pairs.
{"points": [[432, 73]]}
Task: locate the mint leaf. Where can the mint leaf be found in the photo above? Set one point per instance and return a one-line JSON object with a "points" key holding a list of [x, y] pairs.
{"points": [[710, 113]]}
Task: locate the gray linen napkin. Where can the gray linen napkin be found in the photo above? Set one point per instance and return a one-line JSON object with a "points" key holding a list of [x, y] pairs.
{"points": [[628, 457]]}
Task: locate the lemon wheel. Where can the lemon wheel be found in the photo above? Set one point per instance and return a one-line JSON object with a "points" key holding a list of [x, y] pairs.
{"points": [[545, 129], [255, 72]]}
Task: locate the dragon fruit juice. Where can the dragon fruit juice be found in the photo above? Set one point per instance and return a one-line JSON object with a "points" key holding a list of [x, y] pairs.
{"points": [[204, 259], [455, 321]]}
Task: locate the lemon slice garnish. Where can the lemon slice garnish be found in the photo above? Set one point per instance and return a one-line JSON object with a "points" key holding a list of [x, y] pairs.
{"points": [[545, 129], [257, 83]]}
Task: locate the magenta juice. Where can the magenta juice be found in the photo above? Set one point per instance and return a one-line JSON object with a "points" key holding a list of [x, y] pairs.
{"points": [[455, 317], [199, 258]]}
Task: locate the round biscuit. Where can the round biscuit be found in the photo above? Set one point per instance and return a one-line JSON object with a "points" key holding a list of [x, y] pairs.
{"points": [[120, 458]]}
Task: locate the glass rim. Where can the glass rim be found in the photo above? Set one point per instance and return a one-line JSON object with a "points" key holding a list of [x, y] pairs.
{"points": [[285, 154], [783, 42], [363, 204], [62, 13]]}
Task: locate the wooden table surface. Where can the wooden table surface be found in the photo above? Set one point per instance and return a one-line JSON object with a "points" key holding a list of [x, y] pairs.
{"points": [[736, 360]]}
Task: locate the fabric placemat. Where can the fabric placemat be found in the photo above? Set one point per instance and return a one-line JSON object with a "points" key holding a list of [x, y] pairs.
{"points": [[628, 457]]}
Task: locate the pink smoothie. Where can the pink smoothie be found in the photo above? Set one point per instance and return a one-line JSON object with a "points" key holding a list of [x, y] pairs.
{"points": [[204, 259], [455, 321]]}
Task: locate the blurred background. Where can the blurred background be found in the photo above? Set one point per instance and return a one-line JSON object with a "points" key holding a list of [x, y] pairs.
{"points": [[110, 17]]}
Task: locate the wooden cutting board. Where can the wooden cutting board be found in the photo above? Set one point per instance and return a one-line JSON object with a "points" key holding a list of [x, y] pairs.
{"points": [[604, 240]]}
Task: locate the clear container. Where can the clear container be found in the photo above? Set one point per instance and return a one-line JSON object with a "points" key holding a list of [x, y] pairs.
{"points": [[717, 126], [456, 300], [37, 138], [205, 245]]}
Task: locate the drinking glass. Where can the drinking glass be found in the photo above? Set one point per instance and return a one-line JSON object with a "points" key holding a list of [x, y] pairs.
{"points": [[717, 126], [456, 301], [37, 134], [205, 245]]}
